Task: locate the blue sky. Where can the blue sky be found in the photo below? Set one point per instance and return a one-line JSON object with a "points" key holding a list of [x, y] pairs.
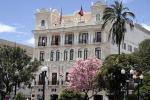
{"points": [[17, 16]]}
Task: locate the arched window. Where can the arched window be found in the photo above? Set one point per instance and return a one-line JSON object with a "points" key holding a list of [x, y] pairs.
{"points": [[79, 53], [71, 54], [52, 56], [98, 52], [42, 22], [57, 55], [98, 17], [85, 53], [65, 55]]}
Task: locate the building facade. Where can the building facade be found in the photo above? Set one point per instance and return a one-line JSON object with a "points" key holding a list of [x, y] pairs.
{"points": [[60, 40]]}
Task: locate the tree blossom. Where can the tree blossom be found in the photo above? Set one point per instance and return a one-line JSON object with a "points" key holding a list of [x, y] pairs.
{"points": [[82, 75]]}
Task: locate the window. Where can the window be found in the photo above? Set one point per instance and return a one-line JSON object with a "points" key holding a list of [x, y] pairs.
{"points": [[69, 38], [130, 48], [67, 79], [55, 40], [97, 37], [41, 55], [54, 78], [42, 41], [42, 22], [85, 53], [98, 52], [98, 17], [79, 53], [40, 79], [83, 38], [71, 54], [57, 55], [124, 46], [52, 56], [65, 55], [39, 97]]}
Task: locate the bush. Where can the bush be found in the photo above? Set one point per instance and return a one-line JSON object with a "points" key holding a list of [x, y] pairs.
{"points": [[19, 96], [70, 95]]}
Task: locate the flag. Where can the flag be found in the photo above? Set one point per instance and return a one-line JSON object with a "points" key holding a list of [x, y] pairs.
{"points": [[60, 17], [81, 12]]}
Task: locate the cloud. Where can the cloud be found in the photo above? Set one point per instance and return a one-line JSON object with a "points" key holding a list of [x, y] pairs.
{"points": [[31, 41], [146, 26], [7, 28]]}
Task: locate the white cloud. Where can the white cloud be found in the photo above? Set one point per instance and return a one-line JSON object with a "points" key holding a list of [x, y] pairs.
{"points": [[30, 41], [7, 28], [146, 26]]}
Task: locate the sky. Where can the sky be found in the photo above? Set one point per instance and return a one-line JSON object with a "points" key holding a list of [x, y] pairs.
{"points": [[17, 17]]}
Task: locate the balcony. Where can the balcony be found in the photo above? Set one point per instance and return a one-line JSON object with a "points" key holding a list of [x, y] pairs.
{"points": [[41, 44], [50, 83]]}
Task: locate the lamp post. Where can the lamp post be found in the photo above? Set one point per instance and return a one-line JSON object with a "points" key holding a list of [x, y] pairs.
{"points": [[44, 70], [139, 79], [136, 76], [123, 72], [16, 82]]}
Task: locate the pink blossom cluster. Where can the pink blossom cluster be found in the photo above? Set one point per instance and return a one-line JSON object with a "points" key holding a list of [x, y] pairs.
{"points": [[81, 75]]}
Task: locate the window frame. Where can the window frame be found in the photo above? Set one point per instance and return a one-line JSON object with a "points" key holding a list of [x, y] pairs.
{"points": [[85, 53], [98, 52], [42, 55], [43, 23], [57, 55], [71, 54]]}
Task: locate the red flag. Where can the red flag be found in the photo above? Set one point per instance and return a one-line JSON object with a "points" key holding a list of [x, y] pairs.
{"points": [[60, 16], [81, 12]]}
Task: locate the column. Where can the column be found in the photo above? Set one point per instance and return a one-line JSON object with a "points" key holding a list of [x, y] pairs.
{"points": [[62, 38], [76, 38], [91, 37], [48, 40], [36, 40]]}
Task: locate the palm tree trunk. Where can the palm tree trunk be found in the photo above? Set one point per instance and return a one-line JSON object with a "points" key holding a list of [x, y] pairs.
{"points": [[119, 48]]}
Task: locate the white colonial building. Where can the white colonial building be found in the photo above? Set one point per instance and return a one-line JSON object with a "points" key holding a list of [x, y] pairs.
{"points": [[60, 40]]}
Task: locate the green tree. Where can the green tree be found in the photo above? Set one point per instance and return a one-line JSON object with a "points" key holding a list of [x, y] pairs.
{"points": [[117, 17], [70, 95], [16, 67], [111, 72], [143, 55]]}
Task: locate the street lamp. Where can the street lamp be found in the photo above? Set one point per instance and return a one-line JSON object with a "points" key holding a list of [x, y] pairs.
{"points": [[131, 72], [139, 79], [44, 70], [16, 82], [136, 76]]}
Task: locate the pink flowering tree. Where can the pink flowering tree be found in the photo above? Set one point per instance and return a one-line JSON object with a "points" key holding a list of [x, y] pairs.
{"points": [[82, 76]]}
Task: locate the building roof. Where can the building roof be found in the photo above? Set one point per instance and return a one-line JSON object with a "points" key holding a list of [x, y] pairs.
{"points": [[140, 27]]}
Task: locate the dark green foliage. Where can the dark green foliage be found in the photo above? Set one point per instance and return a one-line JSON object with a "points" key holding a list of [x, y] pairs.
{"points": [[111, 72], [143, 55], [19, 96], [132, 97], [144, 88], [117, 17], [70, 95], [15, 68]]}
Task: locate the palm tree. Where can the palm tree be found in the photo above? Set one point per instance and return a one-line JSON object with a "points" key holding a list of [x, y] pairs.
{"points": [[118, 17]]}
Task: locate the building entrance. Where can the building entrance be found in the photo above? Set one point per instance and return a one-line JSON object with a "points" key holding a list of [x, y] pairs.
{"points": [[54, 97]]}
